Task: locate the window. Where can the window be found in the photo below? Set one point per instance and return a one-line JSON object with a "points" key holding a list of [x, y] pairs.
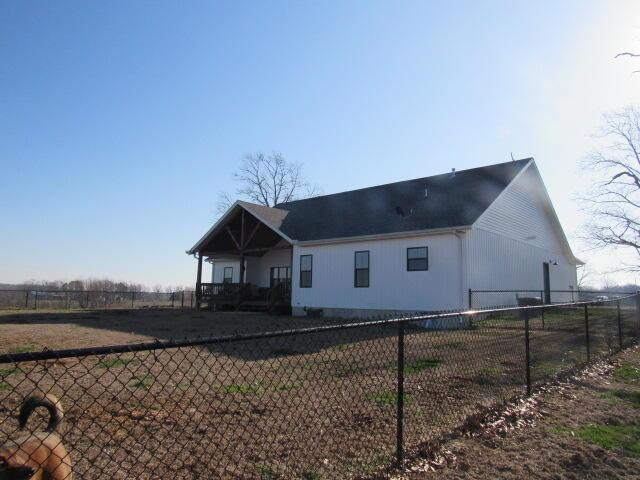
{"points": [[417, 259], [361, 278], [306, 268], [228, 275], [280, 275]]}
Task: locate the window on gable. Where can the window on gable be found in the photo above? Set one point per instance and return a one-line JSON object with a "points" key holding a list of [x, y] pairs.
{"points": [[361, 276], [306, 271], [417, 259], [228, 275]]}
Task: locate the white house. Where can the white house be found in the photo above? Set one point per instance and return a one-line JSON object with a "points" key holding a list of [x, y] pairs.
{"points": [[416, 245]]}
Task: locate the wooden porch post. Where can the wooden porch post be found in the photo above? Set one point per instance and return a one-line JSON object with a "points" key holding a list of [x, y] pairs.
{"points": [[242, 247], [199, 282]]}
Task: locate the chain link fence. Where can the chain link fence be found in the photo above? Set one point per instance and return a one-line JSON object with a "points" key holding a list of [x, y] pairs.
{"points": [[338, 401], [36, 299], [514, 298]]}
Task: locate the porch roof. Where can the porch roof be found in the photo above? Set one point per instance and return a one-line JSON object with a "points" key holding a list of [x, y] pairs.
{"points": [[244, 228]]}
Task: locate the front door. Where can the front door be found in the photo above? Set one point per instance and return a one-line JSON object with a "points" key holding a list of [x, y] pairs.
{"points": [[547, 286]]}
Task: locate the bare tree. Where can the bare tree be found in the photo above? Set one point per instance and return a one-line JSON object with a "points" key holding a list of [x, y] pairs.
{"points": [[584, 276], [614, 199], [269, 180]]}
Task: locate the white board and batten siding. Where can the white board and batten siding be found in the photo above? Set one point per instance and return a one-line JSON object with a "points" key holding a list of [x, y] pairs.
{"points": [[508, 244], [391, 286], [217, 270], [257, 269]]}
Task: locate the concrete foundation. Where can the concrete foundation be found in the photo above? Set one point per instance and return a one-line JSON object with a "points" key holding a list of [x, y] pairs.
{"points": [[372, 314]]}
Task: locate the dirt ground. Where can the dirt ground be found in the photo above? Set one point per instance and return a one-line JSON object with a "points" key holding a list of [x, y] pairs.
{"points": [[304, 406], [28, 330], [588, 427]]}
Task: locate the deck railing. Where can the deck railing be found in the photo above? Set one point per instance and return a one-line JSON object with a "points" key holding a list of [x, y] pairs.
{"points": [[280, 293], [224, 290]]}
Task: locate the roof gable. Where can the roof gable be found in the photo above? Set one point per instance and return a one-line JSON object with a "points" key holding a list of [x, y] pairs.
{"points": [[271, 218], [524, 212]]}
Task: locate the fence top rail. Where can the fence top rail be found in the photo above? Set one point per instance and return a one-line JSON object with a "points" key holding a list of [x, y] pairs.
{"points": [[239, 337], [552, 291]]}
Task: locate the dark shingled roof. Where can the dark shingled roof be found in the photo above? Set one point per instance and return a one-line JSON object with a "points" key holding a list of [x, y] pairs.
{"points": [[452, 201]]}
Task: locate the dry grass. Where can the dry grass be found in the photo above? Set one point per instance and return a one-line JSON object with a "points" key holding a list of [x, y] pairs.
{"points": [[586, 427]]}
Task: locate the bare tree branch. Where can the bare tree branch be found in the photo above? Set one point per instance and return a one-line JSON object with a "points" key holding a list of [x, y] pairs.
{"points": [[584, 274], [614, 198], [224, 202], [627, 54], [268, 180]]}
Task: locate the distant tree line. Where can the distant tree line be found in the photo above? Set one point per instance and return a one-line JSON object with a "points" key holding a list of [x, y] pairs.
{"points": [[93, 284]]}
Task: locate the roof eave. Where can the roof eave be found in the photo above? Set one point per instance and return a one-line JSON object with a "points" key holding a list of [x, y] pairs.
{"points": [[193, 250], [383, 236], [577, 261]]}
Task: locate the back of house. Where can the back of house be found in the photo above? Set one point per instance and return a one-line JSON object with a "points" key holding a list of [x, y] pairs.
{"points": [[416, 245]]}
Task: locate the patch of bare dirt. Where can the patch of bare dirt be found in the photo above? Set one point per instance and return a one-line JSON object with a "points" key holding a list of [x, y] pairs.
{"points": [[28, 331]]}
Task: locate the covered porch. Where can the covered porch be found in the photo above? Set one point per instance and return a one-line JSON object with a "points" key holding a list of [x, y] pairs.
{"points": [[251, 262]]}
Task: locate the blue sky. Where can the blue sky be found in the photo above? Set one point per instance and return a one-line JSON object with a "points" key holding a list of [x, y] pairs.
{"points": [[122, 121]]}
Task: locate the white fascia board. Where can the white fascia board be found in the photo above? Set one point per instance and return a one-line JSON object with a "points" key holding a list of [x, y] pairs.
{"points": [[220, 221], [384, 236], [556, 220]]}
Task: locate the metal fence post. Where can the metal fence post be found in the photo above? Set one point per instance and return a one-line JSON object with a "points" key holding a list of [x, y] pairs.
{"points": [[542, 314], [470, 297], [182, 300], [35, 303], [527, 351], [173, 297], [638, 312], [620, 343], [400, 398], [133, 297], [26, 302], [87, 303], [586, 332]]}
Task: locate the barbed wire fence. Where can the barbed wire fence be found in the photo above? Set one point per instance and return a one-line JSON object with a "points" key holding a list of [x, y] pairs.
{"points": [[335, 401]]}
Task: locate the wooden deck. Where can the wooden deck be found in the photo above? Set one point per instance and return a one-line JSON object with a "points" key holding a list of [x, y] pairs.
{"points": [[245, 296]]}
